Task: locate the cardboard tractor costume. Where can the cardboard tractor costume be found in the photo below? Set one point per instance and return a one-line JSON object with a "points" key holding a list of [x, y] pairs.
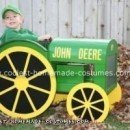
{"points": [[80, 71]]}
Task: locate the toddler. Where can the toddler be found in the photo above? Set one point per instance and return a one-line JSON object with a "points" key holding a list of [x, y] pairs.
{"points": [[13, 20]]}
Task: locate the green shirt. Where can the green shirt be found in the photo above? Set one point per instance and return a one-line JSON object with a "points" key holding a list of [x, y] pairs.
{"points": [[22, 34]]}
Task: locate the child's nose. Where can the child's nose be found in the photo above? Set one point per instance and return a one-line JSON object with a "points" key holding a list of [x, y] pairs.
{"points": [[11, 18]]}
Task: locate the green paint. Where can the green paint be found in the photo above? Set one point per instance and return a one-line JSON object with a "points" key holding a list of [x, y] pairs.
{"points": [[102, 54], [73, 56]]}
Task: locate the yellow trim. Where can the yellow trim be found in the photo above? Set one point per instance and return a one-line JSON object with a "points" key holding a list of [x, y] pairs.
{"points": [[49, 69], [21, 82], [115, 96], [16, 100], [59, 97], [26, 64], [39, 89], [38, 74], [12, 65], [7, 90], [7, 78], [88, 104]]}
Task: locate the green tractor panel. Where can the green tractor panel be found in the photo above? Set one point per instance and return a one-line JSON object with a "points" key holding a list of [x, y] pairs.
{"points": [[80, 71]]}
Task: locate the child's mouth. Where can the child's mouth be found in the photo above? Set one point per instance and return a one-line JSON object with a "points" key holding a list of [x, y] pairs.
{"points": [[12, 23]]}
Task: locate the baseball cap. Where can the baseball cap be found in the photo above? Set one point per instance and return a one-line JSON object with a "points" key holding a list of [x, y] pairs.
{"points": [[10, 8]]}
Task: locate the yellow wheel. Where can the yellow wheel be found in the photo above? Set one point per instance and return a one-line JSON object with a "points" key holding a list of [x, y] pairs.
{"points": [[27, 81], [88, 101]]}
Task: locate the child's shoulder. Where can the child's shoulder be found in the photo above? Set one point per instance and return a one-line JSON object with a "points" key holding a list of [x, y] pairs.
{"points": [[9, 30], [24, 30]]}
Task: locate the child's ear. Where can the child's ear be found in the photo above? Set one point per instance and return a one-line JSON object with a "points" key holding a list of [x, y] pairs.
{"points": [[22, 19]]}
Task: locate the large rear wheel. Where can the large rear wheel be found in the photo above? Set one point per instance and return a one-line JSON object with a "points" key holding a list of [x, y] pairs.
{"points": [[27, 82]]}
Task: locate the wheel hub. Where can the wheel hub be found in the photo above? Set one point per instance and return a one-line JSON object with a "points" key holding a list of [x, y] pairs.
{"points": [[21, 83], [87, 104]]}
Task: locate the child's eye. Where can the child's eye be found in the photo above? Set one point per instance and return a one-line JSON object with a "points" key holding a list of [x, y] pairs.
{"points": [[6, 17], [15, 16]]}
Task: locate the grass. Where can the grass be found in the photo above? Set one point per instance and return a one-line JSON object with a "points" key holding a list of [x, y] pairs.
{"points": [[18, 127], [111, 120]]}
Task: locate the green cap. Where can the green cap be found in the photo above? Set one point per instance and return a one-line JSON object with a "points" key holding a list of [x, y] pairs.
{"points": [[10, 8]]}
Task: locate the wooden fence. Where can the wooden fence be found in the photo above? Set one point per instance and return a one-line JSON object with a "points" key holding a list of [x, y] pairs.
{"points": [[76, 18]]}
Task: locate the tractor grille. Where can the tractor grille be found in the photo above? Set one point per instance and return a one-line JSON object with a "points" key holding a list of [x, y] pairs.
{"points": [[111, 78]]}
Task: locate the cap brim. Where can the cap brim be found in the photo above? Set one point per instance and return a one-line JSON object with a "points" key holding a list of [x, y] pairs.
{"points": [[3, 14]]}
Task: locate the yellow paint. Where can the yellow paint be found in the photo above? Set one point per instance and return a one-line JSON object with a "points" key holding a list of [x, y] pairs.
{"points": [[82, 53], [88, 104], [112, 47], [21, 83], [90, 54], [62, 52], [59, 97], [115, 96]]}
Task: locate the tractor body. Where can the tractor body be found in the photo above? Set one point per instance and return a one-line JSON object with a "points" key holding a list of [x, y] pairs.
{"points": [[84, 60]]}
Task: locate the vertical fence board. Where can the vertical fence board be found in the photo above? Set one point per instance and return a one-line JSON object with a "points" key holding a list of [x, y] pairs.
{"points": [[91, 18], [114, 19], [2, 5], [78, 18], [101, 8], [107, 19], [120, 25], [13, 2], [38, 16], [26, 9], [52, 17], [127, 22], [117, 20], [64, 18]]}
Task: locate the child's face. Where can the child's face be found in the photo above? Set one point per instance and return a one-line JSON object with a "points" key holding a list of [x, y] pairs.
{"points": [[12, 20]]}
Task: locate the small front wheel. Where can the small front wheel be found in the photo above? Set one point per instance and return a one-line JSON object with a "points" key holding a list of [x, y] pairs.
{"points": [[88, 101]]}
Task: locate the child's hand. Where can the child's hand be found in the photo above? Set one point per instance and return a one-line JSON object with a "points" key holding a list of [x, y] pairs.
{"points": [[44, 38]]}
